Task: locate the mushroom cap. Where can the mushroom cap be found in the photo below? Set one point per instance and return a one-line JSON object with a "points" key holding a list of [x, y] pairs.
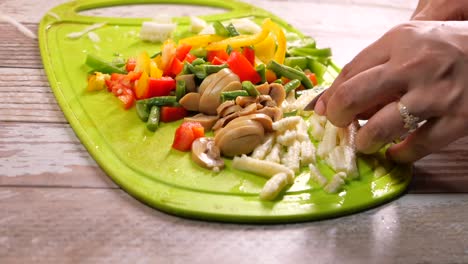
{"points": [[206, 121], [275, 113], [189, 81], [277, 93], [263, 119], [210, 99], [239, 137], [190, 101], [206, 154]]}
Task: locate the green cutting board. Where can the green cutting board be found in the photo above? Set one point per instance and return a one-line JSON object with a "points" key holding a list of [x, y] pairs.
{"points": [[143, 163]]}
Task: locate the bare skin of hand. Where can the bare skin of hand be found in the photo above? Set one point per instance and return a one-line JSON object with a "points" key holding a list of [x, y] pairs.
{"points": [[441, 10], [422, 64]]}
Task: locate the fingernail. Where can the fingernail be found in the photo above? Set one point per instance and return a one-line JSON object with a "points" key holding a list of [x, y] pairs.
{"points": [[320, 108]]}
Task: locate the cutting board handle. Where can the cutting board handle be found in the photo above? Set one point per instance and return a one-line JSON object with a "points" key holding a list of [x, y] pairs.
{"points": [[70, 11]]}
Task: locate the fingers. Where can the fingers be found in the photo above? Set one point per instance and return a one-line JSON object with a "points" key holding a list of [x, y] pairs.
{"points": [[430, 137], [385, 126], [375, 54], [361, 94]]}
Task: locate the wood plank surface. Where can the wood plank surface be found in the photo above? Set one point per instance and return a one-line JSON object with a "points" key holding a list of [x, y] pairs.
{"points": [[58, 206], [108, 226]]}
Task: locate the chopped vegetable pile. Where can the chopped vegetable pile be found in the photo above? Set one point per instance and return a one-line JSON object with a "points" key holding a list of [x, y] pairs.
{"points": [[246, 83]]}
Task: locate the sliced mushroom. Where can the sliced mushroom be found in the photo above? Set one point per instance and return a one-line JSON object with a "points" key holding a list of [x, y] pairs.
{"points": [[250, 109], [233, 86], [190, 101], [275, 113], [265, 100], [207, 82], [231, 109], [277, 93], [206, 154], [240, 137], [263, 119], [210, 98], [189, 82], [245, 100], [222, 122], [263, 88], [205, 120]]}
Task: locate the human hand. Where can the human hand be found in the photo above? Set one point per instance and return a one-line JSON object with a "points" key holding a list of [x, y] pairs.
{"points": [[441, 10], [424, 65]]}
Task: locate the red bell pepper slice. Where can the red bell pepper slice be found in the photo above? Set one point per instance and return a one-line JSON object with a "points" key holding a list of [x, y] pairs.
{"points": [[176, 67], [221, 54], [182, 50], [217, 61], [249, 54], [161, 86], [239, 64], [185, 134], [190, 57], [130, 65], [172, 113], [312, 77], [127, 98]]}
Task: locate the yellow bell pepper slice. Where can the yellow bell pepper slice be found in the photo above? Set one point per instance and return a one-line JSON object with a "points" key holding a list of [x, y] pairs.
{"points": [[265, 50], [268, 27], [97, 81], [141, 86], [200, 41], [143, 63], [155, 72], [280, 40]]}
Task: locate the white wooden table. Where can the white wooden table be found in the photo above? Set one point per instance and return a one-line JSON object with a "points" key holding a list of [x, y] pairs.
{"points": [[58, 206]]}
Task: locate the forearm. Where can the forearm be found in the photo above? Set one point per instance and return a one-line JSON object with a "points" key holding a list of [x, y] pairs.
{"points": [[441, 10]]}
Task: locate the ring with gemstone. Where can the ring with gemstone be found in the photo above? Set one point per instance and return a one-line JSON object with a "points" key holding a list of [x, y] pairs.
{"points": [[411, 121]]}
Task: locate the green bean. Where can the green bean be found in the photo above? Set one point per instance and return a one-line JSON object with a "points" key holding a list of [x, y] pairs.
{"points": [[290, 73], [203, 70], [159, 101], [261, 70], [142, 110], [292, 85], [318, 68], [232, 30], [198, 61], [232, 95], [156, 54], [296, 61], [180, 89], [250, 88], [199, 53], [326, 52], [100, 65], [220, 29], [278, 81], [153, 119]]}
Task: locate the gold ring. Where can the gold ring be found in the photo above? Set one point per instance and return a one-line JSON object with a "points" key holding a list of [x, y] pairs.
{"points": [[411, 121]]}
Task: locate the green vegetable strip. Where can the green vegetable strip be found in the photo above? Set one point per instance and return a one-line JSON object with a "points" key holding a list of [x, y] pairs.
{"points": [[318, 68], [203, 70], [310, 52], [153, 119], [250, 88], [100, 65], [232, 30], [159, 101], [180, 89], [290, 73], [142, 110], [198, 61], [231, 95], [220, 29], [156, 54], [261, 70], [292, 85], [302, 62]]}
